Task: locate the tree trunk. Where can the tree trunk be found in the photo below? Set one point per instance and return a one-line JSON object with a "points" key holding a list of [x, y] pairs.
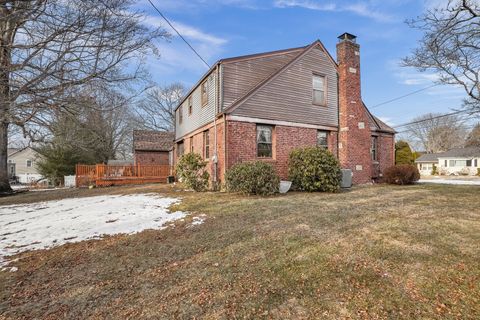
{"points": [[4, 181]]}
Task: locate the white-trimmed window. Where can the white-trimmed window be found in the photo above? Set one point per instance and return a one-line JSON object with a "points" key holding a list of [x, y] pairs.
{"points": [[322, 139], [29, 163], [319, 90], [264, 141]]}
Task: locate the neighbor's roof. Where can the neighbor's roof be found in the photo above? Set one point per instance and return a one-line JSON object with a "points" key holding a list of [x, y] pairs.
{"points": [[11, 151], [428, 157], [145, 140], [461, 152]]}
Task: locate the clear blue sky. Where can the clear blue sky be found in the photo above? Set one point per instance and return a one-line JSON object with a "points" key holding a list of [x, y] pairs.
{"points": [[226, 28]]}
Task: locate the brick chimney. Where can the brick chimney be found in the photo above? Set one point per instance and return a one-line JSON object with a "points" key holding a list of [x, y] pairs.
{"points": [[354, 132]]}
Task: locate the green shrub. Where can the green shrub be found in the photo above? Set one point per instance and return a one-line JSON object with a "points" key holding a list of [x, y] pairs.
{"points": [[402, 174], [478, 171], [434, 170], [256, 177], [191, 171], [314, 169]]}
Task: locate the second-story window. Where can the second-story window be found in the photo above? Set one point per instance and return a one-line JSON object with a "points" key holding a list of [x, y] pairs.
{"points": [[319, 95], [204, 89], [180, 115], [190, 105], [29, 163]]}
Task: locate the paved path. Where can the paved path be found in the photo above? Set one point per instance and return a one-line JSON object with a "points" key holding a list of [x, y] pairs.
{"points": [[451, 181]]}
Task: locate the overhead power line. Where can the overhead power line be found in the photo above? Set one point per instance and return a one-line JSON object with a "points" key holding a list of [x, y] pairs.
{"points": [[404, 96], [432, 118], [179, 34]]}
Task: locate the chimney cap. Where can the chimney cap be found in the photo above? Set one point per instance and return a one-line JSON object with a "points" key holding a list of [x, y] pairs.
{"points": [[347, 36]]}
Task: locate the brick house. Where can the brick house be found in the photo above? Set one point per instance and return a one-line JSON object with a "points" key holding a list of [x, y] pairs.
{"points": [[152, 147], [261, 106]]}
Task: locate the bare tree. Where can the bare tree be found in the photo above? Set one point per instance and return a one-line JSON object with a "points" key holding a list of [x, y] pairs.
{"points": [[473, 139], [451, 46], [157, 110], [50, 47], [437, 134]]}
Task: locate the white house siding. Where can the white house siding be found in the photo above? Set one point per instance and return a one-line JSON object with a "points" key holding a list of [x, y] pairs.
{"points": [[201, 115], [25, 173], [458, 169], [425, 168]]}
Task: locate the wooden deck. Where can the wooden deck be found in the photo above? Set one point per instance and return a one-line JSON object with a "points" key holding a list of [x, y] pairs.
{"points": [[110, 175]]}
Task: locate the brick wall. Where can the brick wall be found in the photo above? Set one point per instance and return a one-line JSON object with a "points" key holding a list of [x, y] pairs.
{"points": [[355, 135], [195, 141], [386, 151], [242, 144], [151, 157]]}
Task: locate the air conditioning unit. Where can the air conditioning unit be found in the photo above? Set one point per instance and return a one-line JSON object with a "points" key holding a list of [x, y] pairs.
{"points": [[346, 178]]}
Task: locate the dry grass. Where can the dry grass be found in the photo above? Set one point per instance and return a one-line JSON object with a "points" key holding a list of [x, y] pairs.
{"points": [[377, 252]]}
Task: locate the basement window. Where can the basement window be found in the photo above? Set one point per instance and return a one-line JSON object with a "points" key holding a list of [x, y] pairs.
{"points": [[319, 89], [264, 141], [322, 139], [374, 149]]}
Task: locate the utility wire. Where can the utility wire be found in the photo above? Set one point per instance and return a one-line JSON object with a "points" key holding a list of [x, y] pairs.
{"points": [[179, 34], [404, 96], [433, 118]]}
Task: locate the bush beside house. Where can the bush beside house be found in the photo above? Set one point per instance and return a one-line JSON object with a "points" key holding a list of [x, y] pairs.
{"points": [[256, 178], [191, 171], [402, 174], [314, 169]]}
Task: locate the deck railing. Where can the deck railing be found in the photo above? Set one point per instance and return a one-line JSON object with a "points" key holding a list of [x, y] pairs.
{"points": [[105, 175]]}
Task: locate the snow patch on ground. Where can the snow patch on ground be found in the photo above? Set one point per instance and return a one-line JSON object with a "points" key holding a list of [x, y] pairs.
{"points": [[52, 223], [451, 181]]}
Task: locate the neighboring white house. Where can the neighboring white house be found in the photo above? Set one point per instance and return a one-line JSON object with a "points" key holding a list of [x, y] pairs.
{"points": [[459, 161], [22, 164], [426, 162]]}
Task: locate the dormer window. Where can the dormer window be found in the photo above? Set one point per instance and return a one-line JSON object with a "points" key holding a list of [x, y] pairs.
{"points": [[319, 90]]}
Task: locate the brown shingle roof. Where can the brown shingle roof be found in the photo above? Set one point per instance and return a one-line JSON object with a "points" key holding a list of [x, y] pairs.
{"points": [[145, 140]]}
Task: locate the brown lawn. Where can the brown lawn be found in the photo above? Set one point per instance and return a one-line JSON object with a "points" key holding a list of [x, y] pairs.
{"points": [[378, 252]]}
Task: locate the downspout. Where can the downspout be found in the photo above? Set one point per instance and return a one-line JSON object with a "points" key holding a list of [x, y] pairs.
{"points": [[215, 153], [338, 118]]}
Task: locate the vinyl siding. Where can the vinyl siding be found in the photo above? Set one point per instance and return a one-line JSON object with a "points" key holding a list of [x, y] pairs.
{"points": [[242, 76], [20, 159], [288, 97], [201, 115]]}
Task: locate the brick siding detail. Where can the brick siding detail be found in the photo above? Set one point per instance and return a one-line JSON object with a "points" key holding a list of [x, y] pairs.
{"points": [[198, 147], [355, 134], [151, 157], [242, 144]]}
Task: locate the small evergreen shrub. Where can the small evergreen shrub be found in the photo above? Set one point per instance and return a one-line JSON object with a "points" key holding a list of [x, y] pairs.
{"points": [[258, 178], [314, 169], [434, 170], [478, 171], [191, 170], [402, 174]]}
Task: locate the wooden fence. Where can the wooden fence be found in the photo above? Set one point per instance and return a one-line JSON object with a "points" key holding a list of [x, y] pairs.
{"points": [[109, 175]]}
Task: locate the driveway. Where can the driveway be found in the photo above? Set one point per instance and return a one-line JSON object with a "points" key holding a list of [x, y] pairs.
{"points": [[475, 182]]}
